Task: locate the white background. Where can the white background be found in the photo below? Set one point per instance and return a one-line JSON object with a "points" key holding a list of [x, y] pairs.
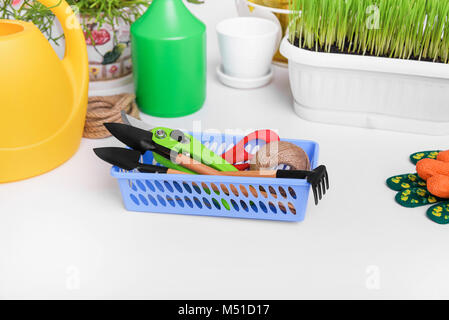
{"points": [[66, 234]]}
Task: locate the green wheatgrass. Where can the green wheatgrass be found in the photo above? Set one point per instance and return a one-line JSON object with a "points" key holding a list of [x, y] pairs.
{"points": [[405, 29]]}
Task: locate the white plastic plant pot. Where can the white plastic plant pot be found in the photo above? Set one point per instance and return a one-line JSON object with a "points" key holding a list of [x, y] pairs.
{"points": [[371, 92]]}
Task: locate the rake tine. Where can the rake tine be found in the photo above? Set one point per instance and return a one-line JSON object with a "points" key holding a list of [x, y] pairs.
{"points": [[315, 195], [319, 181], [326, 178], [323, 185], [320, 193]]}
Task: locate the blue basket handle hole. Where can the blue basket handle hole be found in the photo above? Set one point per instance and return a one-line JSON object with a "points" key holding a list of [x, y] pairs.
{"points": [[161, 200], [253, 206], [272, 207], [196, 187], [187, 187], [159, 186], [224, 189], [234, 190], [170, 200], [273, 192], [143, 199], [198, 202], [177, 186], [168, 186], [244, 191], [292, 192], [179, 201], [188, 201], [282, 192], [207, 203], [216, 204], [263, 206], [141, 185], [152, 200], [134, 199], [253, 191], [150, 185], [235, 205], [244, 205], [282, 207]]}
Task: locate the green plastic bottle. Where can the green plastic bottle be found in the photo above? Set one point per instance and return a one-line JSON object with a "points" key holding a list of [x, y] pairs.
{"points": [[169, 60]]}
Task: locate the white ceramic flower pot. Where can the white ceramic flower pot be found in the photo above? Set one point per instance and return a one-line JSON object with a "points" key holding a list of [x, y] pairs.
{"points": [[370, 92], [274, 10], [108, 48], [109, 51]]}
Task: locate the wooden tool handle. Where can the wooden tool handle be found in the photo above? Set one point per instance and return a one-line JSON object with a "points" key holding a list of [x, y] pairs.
{"points": [[200, 168], [251, 173], [173, 171], [194, 165]]}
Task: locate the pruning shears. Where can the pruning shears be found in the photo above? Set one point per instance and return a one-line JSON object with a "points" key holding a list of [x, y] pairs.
{"points": [[174, 140]]}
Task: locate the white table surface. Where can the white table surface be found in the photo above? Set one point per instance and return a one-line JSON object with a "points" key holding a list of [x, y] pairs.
{"points": [[66, 234]]}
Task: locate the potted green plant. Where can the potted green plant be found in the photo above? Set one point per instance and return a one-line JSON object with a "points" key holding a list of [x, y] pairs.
{"points": [[106, 27], [371, 63]]}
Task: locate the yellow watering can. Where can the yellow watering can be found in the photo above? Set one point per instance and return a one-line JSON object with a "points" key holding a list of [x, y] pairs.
{"points": [[43, 99]]}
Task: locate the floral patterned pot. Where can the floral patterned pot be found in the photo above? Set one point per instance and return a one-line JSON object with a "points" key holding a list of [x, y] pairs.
{"points": [[110, 66], [109, 50]]}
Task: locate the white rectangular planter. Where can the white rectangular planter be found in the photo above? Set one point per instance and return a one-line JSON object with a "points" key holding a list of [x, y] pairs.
{"points": [[371, 92]]}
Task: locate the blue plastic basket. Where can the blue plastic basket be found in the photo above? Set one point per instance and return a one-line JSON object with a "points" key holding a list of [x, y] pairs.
{"points": [[219, 196]]}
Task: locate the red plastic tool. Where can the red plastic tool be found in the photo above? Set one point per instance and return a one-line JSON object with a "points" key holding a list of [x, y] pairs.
{"points": [[239, 154]]}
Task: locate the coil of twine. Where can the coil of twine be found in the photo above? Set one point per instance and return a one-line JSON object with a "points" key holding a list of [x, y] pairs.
{"points": [[107, 109], [275, 153]]}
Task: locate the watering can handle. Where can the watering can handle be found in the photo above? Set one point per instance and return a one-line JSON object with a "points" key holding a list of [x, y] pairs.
{"points": [[75, 59]]}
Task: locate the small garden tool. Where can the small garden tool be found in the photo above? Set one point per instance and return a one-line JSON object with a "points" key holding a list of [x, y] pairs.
{"points": [[318, 178], [236, 155], [128, 159], [169, 147]]}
